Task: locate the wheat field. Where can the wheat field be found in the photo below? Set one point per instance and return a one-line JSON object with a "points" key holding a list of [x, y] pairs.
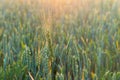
{"points": [[59, 40]]}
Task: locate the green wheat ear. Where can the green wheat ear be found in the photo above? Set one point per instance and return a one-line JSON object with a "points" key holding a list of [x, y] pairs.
{"points": [[49, 40]]}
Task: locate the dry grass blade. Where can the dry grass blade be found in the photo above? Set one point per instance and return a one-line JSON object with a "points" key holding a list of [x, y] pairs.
{"points": [[30, 76]]}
